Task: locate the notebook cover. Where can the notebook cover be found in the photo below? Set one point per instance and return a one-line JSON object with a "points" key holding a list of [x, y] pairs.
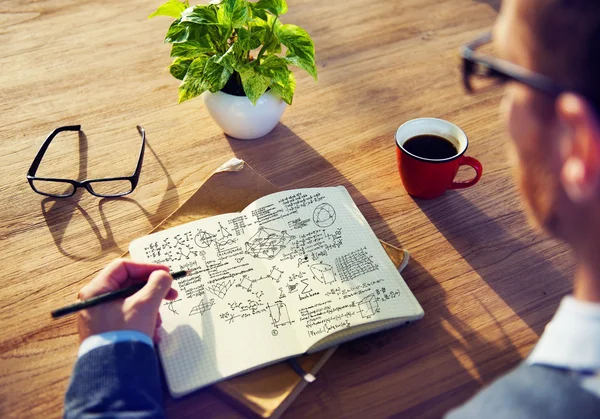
{"points": [[266, 392]]}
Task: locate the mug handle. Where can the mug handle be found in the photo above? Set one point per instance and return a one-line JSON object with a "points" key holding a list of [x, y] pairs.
{"points": [[469, 161]]}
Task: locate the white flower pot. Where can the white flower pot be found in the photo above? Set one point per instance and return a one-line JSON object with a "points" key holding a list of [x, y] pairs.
{"points": [[239, 118]]}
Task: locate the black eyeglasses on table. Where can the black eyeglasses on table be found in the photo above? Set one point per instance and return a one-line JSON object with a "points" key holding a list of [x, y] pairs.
{"points": [[63, 188]]}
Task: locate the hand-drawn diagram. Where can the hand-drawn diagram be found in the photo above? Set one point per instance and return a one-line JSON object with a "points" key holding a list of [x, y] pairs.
{"points": [[202, 307], [204, 239], [292, 288], [224, 237], [183, 249], [324, 215], [246, 283], [220, 288], [323, 273], [279, 314], [267, 243], [275, 274], [170, 304], [354, 264], [368, 306]]}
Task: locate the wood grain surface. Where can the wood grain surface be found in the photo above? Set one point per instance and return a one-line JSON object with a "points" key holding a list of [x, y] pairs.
{"points": [[488, 282]]}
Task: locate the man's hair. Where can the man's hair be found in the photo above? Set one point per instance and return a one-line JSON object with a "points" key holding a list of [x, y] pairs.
{"points": [[567, 42]]}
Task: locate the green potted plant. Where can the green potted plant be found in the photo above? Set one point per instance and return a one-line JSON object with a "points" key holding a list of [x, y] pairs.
{"points": [[236, 54]]}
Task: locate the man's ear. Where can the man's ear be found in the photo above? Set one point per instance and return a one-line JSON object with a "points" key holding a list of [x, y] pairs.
{"points": [[580, 148]]}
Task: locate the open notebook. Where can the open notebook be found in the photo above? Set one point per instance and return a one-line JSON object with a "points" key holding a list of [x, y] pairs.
{"points": [[293, 272]]}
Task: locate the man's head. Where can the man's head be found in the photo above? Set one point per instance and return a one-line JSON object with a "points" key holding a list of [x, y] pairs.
{"points": [[557, 139]]}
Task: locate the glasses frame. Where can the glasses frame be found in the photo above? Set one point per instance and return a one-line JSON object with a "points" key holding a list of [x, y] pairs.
{"points": [[477, 63], [87, 184]]}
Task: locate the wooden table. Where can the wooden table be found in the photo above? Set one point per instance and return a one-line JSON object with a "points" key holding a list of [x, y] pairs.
{"points": [[487, 281]]}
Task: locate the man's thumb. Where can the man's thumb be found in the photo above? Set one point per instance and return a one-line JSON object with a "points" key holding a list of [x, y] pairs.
{"points": [[155, 290]]}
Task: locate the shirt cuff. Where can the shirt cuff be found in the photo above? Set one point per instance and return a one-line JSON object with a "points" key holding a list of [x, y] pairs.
{"points": [[109, 338], [572, 339]]}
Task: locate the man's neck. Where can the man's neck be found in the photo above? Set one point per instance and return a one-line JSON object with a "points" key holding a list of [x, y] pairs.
{"points": [[586, 286]]}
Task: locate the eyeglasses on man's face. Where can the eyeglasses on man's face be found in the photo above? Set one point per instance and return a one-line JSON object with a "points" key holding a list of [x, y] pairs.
{"points": [[63, 188], [481, 71]]}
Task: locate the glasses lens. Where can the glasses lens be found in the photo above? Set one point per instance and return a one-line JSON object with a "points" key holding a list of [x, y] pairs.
{"points": [[111, 187], [53, 187]]}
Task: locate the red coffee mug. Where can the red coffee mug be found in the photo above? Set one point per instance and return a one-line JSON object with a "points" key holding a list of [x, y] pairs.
{"points": [[429, 178]]}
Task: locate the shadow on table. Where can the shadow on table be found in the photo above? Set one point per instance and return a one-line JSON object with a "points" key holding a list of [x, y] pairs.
{"points": [[439, 353], [284, 156], [59, 213], [491, 251]]}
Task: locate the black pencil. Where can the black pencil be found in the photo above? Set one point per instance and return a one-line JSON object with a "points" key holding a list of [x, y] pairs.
{"points": [[109, 296]]}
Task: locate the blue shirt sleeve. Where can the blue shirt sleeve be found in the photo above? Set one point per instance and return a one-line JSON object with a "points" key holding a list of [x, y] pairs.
{"points": [[108, 338], [571, 342], [117, 375]]}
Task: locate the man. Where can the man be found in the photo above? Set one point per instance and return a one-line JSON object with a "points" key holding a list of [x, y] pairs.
{"points": [[116, 374], [553, 117]]}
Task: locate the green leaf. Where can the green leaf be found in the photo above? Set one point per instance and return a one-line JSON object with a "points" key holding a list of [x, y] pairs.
{"points": [[215, 75], [179, 67], [233, 13], [193, 83], [184, 31], [301, 49], [177, 32], [254, 83], [309, 67], [192, 49], [271, 41], [285, 90], [272, 64], [282, 81], [277, 7], [258, 12], [205, 17], [229, 59], [201, 14], [250, 39], [171, 8]]}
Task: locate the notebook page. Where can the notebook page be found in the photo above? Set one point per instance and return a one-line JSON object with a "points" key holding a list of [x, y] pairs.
{"points": [[219, 325], [333, 273]]}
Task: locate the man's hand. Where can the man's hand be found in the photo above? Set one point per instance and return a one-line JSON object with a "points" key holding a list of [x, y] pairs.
{"points": [[137, 312]]}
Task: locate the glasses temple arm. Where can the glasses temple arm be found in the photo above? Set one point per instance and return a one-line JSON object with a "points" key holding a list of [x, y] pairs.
{"points": [[40, 154], [138, 168]]}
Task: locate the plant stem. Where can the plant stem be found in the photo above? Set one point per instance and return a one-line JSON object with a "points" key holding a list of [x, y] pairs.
{"points": [[264, 48]]}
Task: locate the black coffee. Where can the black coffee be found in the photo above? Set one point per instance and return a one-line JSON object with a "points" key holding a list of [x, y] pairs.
{"points": [[430, 147]]}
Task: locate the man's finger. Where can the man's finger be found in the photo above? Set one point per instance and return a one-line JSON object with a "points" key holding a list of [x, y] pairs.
{"points": [[120, 270], [114, 275], [172, 294], [155, 290]]}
